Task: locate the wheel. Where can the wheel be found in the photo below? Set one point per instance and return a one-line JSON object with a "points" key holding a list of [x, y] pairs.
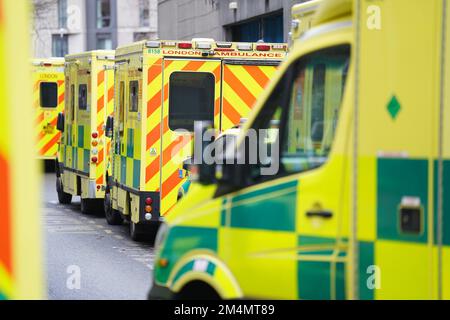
{"points": [[112, 216], [63, 198], [92, 206], [136, 232]]}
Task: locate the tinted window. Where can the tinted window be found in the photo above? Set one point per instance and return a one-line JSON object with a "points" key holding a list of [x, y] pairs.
{"points": [[72, 102], [49, 94], [134, 96], [316, 98], [82, 97], [191, 98]]}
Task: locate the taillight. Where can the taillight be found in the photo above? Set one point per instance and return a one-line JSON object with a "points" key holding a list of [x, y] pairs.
{"points": [[185, 45], [94, 159], [262, 47], [148, 201], [95, 135]]}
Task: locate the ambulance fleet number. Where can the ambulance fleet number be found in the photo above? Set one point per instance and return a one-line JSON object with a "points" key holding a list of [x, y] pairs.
{"points": [[252, 309]]}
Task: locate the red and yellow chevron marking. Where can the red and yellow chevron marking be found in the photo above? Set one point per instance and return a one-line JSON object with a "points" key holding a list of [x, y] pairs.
{"points": [[46, 133], [153, 124], [242, 85], [105, 108], [176, 148], [5, 228]]}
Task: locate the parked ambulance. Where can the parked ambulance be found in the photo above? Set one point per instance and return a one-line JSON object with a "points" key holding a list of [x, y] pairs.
{"points": [[359, 206], [161, 88], [81, 164], [21, 274], [48, 99]]}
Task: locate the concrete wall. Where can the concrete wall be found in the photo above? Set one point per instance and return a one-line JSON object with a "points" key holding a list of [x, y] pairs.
{"points": [[45, 25], [187, 19], [128, 21], [91, 24]]}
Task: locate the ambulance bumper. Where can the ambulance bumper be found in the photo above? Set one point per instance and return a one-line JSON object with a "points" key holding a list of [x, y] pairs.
{"points": [[158, 292]]}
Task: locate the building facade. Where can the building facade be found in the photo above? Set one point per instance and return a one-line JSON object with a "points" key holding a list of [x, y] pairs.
{"points": [[225, 20], [69, 26]]}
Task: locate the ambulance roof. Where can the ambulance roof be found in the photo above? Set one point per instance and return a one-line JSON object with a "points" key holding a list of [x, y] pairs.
{"points": [[98, 54], [206, 48], [53, 61]]}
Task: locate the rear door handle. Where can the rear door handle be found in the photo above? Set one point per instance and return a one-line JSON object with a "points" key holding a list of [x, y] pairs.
{"points": [[319, 213]]}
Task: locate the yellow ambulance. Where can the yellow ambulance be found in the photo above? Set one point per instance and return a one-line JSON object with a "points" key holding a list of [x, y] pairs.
{"points": [[162, 87], [81, 168], [48, 100], [302, 19], [20, 227], [359, 207]]}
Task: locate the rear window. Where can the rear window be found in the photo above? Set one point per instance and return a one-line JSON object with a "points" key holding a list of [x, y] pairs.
{"points": [[134, 96], [49, 94], [191, 98], [82, 97]]}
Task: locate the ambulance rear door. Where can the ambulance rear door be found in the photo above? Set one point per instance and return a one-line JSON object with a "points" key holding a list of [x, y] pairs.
{"points": [[191, 93]]}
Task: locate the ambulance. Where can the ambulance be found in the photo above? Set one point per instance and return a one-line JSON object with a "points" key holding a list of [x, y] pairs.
{"points": [[81, 168], [48, 99], [359, 206], [161, 88], [302, 19], [21, 275]]}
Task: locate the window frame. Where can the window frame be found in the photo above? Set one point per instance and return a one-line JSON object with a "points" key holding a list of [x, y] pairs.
{"points": [[100, 19]]}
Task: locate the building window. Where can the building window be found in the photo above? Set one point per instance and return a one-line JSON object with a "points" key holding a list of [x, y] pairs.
{"points": [[268, 28], [62, 13], [144, 11], [104, 42], [103, 14], [191, 98], [60, 45]]}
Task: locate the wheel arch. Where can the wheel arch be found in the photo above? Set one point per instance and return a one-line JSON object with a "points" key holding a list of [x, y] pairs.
{"points": [[206, 269]]}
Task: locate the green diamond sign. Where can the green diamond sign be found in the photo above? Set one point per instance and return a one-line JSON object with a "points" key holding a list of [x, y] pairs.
{"points": [[394, 107]]}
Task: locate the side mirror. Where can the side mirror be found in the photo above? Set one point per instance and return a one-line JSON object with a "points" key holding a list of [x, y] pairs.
{"points": [[200, 170], [109, 130], [60, 122], [187, 164]]}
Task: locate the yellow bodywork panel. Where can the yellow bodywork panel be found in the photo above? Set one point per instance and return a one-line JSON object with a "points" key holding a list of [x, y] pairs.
{"points": [[20, 229]]}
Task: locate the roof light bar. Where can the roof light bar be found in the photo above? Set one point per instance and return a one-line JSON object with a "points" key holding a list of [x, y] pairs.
{"points": [[169, 44], [279, 47], [245, 46], [263, 47], [184, 45], [224, 44], [152, 44], [204, 45]]}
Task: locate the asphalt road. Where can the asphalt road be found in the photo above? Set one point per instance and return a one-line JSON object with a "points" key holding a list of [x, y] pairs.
{"points": [[88, 259]]}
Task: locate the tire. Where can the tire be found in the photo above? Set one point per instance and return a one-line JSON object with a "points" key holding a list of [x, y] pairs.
{"points": [[112, 216], [92, 206], [63, 198], [136, 233]]}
